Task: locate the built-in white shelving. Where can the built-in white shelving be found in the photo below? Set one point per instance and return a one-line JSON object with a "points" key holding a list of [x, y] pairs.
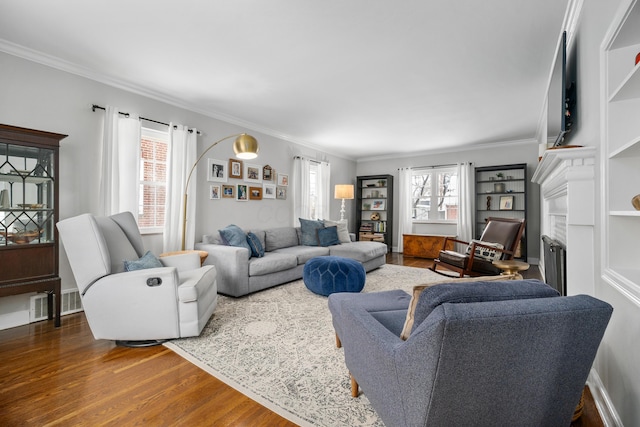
{"points": [[621, 159]]}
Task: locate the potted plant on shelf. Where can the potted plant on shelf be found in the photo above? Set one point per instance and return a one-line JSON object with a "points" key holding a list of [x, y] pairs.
{"points": [[500, 175]]}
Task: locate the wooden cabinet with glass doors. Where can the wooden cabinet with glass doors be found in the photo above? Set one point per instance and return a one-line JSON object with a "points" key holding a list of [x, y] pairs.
{"points": [[28, 214]]}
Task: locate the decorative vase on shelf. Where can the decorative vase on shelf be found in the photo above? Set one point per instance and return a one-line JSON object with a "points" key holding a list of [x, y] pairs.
{"points": [[635, 201]]}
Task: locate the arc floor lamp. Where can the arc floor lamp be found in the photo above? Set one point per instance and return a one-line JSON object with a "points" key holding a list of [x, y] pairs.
{"points": [[245, 147]]}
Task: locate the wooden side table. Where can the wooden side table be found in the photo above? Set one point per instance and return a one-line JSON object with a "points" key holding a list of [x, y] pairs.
{"points": [[203, 254], [511, 267]]}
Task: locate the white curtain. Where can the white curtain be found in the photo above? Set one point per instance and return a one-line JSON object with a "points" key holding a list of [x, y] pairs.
{"points": [[182, 154], [119, 164], [465, 202], [301, 189], [405, 223], [323, 190]]}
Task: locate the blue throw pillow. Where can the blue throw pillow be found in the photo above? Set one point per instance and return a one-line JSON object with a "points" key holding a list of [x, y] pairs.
{"points": [[328, 236], [256, 247], [148, 260], [309, 228], [235, 236]]}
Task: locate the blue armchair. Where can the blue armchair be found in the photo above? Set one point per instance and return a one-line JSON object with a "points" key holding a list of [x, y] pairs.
{"points": [[481, 354]]}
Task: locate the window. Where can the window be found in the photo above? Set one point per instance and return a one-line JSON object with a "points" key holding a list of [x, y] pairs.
{"points": [[435, 195], [153, 180], [313, 192], [311, 188]]}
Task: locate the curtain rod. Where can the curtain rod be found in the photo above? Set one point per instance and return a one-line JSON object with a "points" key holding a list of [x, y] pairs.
{"points": [[94, 107], [311, 160], [435, 167]]}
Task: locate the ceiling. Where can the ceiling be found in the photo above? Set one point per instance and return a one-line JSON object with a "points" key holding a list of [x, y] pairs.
{"points": [[357, 78]]}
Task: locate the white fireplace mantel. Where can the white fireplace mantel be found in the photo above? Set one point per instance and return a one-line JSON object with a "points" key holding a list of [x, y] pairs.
{"points": [[567, 190]]}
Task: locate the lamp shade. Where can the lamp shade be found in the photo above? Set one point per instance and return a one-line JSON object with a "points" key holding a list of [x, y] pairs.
{"points": [[344, 191], [246, 147]]}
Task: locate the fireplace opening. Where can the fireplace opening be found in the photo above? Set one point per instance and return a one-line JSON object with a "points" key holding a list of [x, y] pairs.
{"points": [[555, 258]]}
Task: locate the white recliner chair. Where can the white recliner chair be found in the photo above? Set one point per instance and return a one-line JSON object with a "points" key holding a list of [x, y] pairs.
{"points": [[140, 307]]}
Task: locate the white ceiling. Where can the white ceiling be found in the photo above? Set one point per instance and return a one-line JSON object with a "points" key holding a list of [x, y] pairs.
{"points": [[357, 78]]}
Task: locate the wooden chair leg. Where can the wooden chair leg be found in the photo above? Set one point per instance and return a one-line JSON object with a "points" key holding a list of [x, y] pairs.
{"points": [[338, 342], [354, 386]]}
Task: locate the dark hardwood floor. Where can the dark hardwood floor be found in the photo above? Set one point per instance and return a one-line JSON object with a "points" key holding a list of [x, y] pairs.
{"points": [[63, 377]]}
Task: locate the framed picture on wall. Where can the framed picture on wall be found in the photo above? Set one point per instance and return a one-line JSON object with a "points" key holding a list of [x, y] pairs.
{"points": [[235, 168], [268, 191], [216, 170], [267, 173], [283, 179], [281, 193], [253, 173], [228, 192], [214, 192], [255, 193], [242, 192]]}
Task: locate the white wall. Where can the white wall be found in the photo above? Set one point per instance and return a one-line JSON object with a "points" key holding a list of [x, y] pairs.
{"points": [[39, 97], [522, 152], [617, 362]]}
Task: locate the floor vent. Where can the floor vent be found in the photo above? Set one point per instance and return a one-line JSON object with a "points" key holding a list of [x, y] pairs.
{"points": [[71, 303]]}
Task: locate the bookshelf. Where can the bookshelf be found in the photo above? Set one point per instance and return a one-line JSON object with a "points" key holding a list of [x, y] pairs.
{"points": [[374, 208]]}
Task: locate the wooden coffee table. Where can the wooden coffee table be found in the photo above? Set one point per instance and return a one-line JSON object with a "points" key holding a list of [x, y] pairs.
{"points": [[511, 267]]}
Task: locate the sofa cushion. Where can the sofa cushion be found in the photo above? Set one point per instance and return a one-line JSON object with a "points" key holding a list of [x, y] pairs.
{"points": [[480, 291], [309, 229], [256, 247], [360, 251], [214, 239], [304, 253], [259, 233], [272, 262], [148, 260], [343, 230], [328, 236], [281, 237], [235, 236]]}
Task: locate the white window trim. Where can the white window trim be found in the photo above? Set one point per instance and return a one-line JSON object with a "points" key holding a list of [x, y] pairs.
{"points": [[160, 136], [436, 170]]}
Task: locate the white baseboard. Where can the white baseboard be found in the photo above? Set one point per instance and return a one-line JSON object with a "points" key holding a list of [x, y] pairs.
{"points": [[16, 318], [605, 407]]}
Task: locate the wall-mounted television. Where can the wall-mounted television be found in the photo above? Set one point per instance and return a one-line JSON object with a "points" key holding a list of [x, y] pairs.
{"points": [[561, 109]]}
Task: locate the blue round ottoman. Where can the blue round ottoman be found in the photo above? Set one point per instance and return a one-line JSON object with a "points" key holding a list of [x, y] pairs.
{"points": [[328, 274]]}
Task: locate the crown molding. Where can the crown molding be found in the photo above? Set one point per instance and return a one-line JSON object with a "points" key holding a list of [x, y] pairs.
{"points": [[72, 68], [457, 149]]}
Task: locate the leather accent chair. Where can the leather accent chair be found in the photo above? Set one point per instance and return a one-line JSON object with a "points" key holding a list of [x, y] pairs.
{"points": [[505, 232], [145, 305], [484, 353]]}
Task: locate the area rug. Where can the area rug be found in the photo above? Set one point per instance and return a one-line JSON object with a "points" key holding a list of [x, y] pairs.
{"points": [[278, 347]]}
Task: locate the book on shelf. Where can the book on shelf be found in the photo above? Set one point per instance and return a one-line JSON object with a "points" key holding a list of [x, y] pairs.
{"points": [[366, 227]]}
